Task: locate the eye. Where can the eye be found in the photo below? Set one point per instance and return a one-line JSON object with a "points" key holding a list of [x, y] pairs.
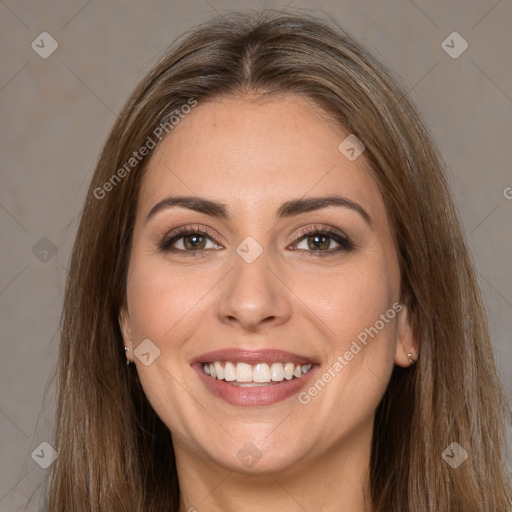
{"points": [[323, 241], [188, 239], [318, 240]]}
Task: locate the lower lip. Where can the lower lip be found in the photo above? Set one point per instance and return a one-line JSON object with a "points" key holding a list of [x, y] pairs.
{"points": [[257, 395]]}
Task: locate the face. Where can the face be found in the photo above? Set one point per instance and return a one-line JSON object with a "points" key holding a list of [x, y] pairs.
{"points": [[292, 301]]}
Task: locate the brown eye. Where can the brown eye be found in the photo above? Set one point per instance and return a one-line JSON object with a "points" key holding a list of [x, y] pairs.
{"points": [[188, 240], [191, 242], [320, 242]]}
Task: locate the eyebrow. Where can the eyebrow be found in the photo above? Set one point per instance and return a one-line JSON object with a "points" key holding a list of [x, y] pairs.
{"points": [[287, 209]]}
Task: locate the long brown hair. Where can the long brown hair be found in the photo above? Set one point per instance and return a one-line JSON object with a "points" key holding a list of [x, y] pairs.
{"points": [[115, 454]]}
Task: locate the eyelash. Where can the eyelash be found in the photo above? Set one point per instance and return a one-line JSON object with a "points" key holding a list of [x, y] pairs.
{"points": [[343, 241]]}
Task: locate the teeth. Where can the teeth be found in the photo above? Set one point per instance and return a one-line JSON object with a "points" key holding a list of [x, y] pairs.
{"points": [[249, 384], [219, 371], [243, 372], [277, 372], [305, 368], [229, 372], [246, 375], [261, 373]]}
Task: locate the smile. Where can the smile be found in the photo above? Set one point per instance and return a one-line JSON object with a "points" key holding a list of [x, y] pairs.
{"points": [[247, 375], [254, 377]]}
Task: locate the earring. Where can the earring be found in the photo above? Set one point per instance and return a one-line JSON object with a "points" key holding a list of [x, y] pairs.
{"points": [[126, 350], [411, 359]]}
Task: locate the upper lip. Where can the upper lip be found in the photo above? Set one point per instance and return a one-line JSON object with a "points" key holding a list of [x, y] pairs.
{"points": [[253, 356]]}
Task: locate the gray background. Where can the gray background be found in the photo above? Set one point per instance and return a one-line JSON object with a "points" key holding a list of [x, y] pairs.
{"points": [[56, 113]]}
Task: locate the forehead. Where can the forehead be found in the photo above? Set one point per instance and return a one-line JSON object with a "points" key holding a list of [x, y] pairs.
{"points": [[246, 152]]}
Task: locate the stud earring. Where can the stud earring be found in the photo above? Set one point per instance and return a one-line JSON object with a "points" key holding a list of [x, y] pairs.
{"points": [[126, 350], [411, 359]]}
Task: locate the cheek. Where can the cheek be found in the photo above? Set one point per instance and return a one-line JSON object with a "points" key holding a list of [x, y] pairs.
{"points": [[354, 305], [164, 306], [351, 298], [160, 298]]}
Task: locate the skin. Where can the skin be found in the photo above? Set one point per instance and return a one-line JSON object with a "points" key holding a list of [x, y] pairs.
{"points": [[251, 155]]}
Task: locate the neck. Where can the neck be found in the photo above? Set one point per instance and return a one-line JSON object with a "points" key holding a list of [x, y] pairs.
{"points": [[333, 481]]}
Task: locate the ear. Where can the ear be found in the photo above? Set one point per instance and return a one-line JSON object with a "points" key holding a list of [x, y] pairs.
{"points": [[124, 324], [406, 341]]}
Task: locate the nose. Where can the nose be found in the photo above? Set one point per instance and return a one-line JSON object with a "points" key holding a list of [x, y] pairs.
{"points": [[252, 297]]}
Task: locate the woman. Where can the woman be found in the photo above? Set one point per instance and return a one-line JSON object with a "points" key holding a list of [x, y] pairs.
{"points": [[270, 244]]}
